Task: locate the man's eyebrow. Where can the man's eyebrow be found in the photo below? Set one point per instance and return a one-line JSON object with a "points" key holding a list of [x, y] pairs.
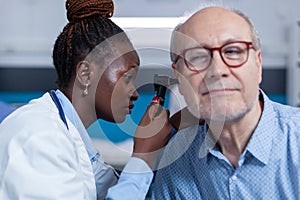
{"points": [[223, 42]]}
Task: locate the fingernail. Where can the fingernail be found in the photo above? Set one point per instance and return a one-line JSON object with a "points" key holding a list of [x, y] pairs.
{"points": [[155, 99]]}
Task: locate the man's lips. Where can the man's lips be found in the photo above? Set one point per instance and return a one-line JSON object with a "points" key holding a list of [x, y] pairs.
{"points": [[218, 91]]}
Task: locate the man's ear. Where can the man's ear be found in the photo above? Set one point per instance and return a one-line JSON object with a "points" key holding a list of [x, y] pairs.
{"points": [[84, 71], [259, 64], [174, 70], [177, 76]]}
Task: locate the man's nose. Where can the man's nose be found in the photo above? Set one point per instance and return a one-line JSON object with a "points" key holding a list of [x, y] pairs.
{"points": [[218, 68]]}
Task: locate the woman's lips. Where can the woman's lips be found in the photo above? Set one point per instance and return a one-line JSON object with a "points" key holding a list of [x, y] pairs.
{"points": [[131, 106]]}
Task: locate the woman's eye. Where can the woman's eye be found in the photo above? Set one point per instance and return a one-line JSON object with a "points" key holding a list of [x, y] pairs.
{"points": [[130, 75], [127, 77]]}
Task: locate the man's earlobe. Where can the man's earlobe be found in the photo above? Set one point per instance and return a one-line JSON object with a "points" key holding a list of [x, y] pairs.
{"points": [[173, 66]]}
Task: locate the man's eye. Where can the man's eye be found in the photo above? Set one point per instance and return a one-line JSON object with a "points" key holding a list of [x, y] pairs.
{"points": [[232, 51], [229, 52], [199, 58]]}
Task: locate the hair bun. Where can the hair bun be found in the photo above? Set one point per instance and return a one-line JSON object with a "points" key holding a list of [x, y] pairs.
{"points": [[78, 9]]}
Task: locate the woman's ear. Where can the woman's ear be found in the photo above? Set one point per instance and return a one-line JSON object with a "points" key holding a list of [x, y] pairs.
{"points": [[84, 72]]}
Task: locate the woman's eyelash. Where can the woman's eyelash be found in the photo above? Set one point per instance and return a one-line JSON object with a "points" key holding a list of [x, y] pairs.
{"points": [[128, 77]]}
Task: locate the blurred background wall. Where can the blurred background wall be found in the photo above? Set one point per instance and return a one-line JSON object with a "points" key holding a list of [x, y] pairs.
{"points": [[28, 29]]}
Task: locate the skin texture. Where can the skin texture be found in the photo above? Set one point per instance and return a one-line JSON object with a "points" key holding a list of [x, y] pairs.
{"points": [[227, 98]]}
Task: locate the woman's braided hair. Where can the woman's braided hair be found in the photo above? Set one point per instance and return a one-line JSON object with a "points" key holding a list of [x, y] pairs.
{"points": [[88, 26]]}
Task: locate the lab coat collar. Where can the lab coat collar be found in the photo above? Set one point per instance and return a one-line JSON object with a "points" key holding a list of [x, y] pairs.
{"points": [[72, 115]]}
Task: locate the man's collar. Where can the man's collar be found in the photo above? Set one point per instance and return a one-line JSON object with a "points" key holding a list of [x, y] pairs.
{"points": [[260, 143]]}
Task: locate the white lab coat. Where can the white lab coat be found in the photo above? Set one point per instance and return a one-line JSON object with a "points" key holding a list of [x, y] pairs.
{"points": [[41, 159]]}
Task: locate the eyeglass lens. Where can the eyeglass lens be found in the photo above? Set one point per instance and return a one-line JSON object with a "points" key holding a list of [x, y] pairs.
{"points": [[232, 54]]}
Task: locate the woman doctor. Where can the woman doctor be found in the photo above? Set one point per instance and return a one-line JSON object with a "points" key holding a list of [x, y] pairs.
{"points": [[45, 151]]}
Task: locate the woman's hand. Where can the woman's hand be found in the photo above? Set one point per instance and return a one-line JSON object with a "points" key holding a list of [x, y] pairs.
{"points": [[152, 134]]}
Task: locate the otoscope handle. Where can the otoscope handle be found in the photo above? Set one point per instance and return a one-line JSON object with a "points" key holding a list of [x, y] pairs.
{"points": [[161, 83], [161, 93]]}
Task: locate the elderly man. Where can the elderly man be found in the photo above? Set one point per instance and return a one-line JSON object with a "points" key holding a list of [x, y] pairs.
{"points": [[249, 146]]}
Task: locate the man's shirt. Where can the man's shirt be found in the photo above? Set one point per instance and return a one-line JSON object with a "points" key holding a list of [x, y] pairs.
{"points": [[192, 166]]}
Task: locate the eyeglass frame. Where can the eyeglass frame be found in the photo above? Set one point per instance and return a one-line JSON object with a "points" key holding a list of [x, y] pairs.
{"points": [[211, 50]]}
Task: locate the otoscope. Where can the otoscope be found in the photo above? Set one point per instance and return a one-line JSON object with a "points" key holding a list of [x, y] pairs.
{"points": [[181, 119], [161, 83]]}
